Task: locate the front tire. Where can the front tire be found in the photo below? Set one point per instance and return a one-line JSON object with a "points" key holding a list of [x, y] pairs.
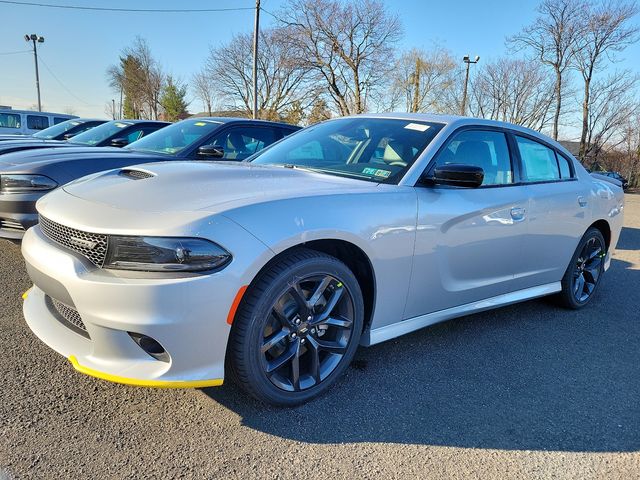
{"points": [[297, 328], [583, 275]]}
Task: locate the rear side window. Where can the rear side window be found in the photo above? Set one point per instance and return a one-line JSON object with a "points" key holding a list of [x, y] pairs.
{"points": [[37, 122], [485, 149], [539, 162], [9, 120]]}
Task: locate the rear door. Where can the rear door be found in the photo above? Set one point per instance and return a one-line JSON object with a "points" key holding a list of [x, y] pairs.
{"points": [[559, 212], [469, 241]]}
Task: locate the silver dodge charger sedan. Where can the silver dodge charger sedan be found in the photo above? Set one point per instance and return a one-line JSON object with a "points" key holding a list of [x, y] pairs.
{"points": [[273, 271]]}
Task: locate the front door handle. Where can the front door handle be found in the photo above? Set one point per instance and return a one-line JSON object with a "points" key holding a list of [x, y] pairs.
{"points": [[582, 201], [518, 214]]}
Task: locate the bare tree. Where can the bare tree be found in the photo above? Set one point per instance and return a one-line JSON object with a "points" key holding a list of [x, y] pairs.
{"points": [[141, 79], [421, 78], [203, 89], [552, 39], [349, 46], [606, 31], [281, 81], [515, 91], [611, 103]]}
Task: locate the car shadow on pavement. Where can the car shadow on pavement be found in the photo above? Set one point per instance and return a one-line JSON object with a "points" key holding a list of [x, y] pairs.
{"points": [[530, 376]]}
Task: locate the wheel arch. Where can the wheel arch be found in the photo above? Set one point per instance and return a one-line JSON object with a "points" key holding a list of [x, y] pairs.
{"points": [[605, 229], [352, 256]]}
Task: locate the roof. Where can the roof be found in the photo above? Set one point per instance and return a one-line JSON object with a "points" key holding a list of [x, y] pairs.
{"points": [[242, 120], [134, 121], [35, 112]]}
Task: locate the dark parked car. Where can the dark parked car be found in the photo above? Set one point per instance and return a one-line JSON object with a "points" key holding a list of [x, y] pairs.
{"points": [[60, 131], [116, 133], [28, 175], [617, 176]]}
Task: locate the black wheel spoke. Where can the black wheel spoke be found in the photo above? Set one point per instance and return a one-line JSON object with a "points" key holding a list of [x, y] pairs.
{"points": [[295, 367], [592, 273], [595, 253], [299, 297], [281, 316], [326, 281], [331, 304], [315, 360], [338, 322], [274, 339], [285, 357], [579, 286], [331, 347]]}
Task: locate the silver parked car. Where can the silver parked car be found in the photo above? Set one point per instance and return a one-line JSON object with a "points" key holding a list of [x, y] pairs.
{"points": [[350, 232]]}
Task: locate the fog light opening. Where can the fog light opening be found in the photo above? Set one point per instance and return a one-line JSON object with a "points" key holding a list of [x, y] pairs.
{"points": [[151, 346]]}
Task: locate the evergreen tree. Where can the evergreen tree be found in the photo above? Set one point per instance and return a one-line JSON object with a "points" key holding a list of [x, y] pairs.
{"points": [[173, 100]]}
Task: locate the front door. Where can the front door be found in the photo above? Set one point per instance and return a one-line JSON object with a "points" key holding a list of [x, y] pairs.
{"points": [[469, 241]]}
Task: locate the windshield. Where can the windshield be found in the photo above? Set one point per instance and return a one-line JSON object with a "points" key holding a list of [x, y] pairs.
{"points": [[99, 133], [59, 129], [175, 138], [374, 149]]}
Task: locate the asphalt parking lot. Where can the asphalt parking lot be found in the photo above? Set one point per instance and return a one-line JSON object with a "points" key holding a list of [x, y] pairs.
{"points": [[529, 390]]}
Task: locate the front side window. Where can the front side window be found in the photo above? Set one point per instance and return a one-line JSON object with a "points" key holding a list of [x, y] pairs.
{"points": [[373, 149], [239, 143], [56, 130], [9, 120], [539, 162], [99, 133], [175, 138], [480, 148]]}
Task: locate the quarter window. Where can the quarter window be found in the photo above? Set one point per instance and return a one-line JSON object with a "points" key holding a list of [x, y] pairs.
{"points": [[57, 120], [485, 149], [9, 120], [539, 162], [37, 122], [565, 169]]}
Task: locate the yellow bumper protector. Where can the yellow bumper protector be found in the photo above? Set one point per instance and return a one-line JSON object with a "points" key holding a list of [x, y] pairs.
{"points": [[25, 294], [144, 383]]}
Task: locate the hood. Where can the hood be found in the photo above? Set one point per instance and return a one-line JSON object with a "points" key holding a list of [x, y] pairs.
{"points": [[45, 156], [211, 186]]}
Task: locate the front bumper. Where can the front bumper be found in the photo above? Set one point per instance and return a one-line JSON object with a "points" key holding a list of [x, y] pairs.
{"points": [[17, 214], [186, 315]]}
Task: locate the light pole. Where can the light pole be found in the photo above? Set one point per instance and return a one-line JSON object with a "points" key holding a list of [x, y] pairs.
{"points": [[468, 61], [36, 39], [256, 33]]}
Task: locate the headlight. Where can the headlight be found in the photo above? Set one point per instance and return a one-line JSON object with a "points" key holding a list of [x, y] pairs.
{"points": [[10, 183], [162, 254]]}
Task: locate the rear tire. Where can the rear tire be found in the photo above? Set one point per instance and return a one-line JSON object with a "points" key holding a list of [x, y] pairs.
{"points": [[584, 272], [297, 328]]}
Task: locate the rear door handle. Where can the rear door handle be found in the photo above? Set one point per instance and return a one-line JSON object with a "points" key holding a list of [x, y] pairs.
{"points": [[518, 214], [582, 201]]}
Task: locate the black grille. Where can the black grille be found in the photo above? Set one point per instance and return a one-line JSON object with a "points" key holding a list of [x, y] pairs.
{"points": [[69, 316], [91, 245], [135, 174]]}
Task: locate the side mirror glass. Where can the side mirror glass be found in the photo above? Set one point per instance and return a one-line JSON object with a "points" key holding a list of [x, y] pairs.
{"points": [[119, 142], [211, 151], [458, 175]]}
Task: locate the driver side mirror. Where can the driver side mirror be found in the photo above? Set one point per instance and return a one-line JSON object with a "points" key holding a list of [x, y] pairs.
{"points": [[211, 151], [119, 142], [67, 136], [457, 175]]}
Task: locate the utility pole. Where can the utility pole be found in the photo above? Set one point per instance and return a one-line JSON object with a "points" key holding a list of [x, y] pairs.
{"points": [[113, 108], [120, 112], [36, 39], [468, 61], [416, 87], [256, 33]]}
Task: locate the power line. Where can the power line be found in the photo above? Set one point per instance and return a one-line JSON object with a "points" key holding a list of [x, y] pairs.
{"points": [[63, 85], [139, 10], [16, 52]]}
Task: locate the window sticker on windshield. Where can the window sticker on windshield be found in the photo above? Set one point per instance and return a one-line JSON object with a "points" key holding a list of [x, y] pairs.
{"points": [[417, 126], [376, 172], [200, 124]]}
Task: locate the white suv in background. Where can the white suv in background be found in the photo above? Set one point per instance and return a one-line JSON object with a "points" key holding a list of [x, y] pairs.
{"points": [[26, 122]]}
